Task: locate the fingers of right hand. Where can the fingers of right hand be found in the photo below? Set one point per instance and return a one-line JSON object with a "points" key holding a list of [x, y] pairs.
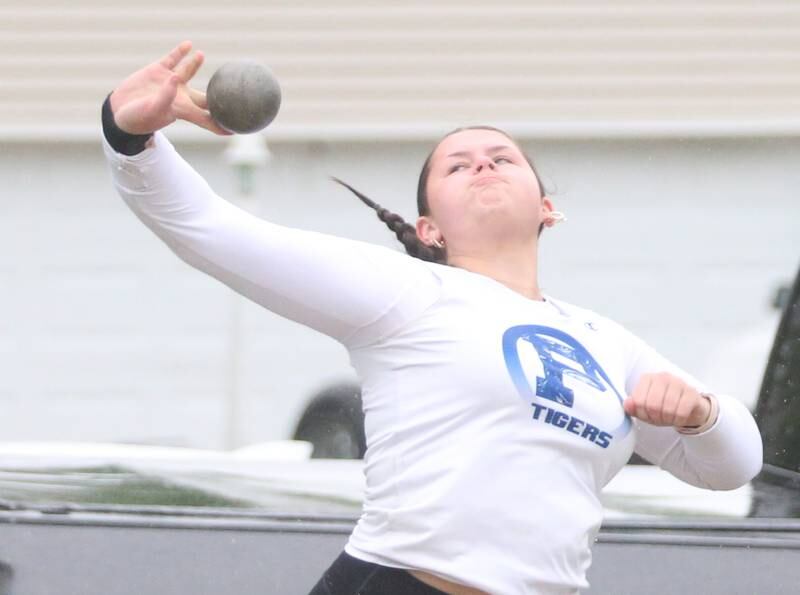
{"points": [[198, 98], [166, 93], [177, 53], [149, 112], [202, 118], [187, 69]]}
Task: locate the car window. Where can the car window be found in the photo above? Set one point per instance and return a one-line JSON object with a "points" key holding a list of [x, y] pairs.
{"points": [[778, 414]]}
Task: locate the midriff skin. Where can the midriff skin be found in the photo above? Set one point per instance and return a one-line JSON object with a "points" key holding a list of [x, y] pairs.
{"points": [[445, 585]]}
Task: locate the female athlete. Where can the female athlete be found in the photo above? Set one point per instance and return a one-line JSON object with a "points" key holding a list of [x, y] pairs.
{"points": [[494, 413]]}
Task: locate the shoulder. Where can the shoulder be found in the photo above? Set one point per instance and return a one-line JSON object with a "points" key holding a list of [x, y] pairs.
{"points": [[453, 277], [577, 312], [385, 258], [594, 321]]}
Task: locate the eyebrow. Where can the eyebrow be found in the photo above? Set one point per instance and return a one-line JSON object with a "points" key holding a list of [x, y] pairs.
{"points": [[493, 149]]}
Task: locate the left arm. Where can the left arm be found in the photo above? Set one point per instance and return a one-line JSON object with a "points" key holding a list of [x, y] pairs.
{"points": [[681, 429]]}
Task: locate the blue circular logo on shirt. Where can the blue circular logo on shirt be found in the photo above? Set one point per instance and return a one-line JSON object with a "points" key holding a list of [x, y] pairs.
{"points": [[560, 356]]}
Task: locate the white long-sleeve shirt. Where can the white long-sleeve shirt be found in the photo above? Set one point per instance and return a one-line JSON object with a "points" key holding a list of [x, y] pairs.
{"points": [[492, 420]]}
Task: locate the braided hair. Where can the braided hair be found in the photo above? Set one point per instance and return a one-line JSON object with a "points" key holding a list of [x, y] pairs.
{"points": [[404, 231]]}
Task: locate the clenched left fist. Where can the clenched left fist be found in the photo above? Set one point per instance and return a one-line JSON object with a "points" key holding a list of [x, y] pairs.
{"points": [[663, 399]]}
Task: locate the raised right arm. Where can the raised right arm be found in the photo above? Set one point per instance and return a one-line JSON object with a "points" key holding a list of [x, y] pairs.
{"points": [[352, 291]]}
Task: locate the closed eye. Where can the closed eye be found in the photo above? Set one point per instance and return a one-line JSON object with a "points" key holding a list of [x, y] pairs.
{"points": [[498, 160], [456, 167]]}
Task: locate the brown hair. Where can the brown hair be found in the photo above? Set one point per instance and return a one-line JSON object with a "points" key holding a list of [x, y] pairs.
{"points": [[407, 233]]}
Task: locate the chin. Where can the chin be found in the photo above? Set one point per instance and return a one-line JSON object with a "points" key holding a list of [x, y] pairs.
{"points": [[493, 198]]}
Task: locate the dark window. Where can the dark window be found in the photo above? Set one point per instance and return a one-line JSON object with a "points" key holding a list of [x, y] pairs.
{"points": [[778, 411]]}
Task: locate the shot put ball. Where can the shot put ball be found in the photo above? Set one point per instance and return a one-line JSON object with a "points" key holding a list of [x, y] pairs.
{"points": [[243, 96]]}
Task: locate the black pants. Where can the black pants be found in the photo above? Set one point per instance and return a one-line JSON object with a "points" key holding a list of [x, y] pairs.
{"points": [[351, 576]]}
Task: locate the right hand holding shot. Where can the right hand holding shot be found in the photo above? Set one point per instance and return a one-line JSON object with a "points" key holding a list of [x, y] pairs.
{"points": [[159, 94]]}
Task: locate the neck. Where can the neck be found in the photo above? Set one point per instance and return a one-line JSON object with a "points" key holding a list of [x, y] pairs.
{"points": [[514, 267]]}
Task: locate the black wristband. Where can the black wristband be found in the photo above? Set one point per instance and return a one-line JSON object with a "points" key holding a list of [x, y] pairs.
{"points": [[121, 141]]}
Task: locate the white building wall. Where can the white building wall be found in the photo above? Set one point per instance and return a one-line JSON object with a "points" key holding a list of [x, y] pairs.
{"points": [[411, 69], [106, 335]]}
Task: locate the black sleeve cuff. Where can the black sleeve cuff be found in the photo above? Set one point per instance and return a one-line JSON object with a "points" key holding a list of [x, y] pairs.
{"points": [[121, 141]]}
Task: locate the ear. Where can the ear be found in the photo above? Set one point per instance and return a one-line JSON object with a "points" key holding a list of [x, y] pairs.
{"points": [[427, 231], [547, 208]]}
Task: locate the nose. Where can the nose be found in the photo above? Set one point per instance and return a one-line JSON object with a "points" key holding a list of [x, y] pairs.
{"points": [[484, 161]]}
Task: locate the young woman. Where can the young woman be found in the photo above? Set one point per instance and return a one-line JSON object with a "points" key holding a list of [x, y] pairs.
{"points": [[494, 413]]}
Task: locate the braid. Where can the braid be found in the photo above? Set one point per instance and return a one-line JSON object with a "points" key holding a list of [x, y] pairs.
{"points": [[405, 232]]}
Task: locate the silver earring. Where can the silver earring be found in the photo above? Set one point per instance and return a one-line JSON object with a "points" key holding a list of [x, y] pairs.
{"points": [[438, 243], [557, 217]]}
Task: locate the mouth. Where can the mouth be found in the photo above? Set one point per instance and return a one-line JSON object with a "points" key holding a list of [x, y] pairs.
{"points": [[485, 180]]}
